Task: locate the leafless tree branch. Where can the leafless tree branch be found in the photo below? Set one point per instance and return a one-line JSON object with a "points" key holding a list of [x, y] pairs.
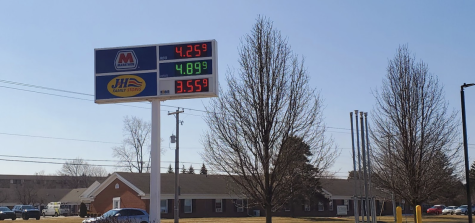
{"points": [[268, 101]]}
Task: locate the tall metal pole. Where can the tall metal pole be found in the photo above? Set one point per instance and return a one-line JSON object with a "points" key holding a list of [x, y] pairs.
{"points": [[465, 149], [364, 168], [372, 201], [359, 164], [176, 203], [355, 199], [155, 159]]}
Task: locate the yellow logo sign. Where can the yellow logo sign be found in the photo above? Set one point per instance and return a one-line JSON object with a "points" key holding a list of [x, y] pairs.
{"points": [[126, 86]]}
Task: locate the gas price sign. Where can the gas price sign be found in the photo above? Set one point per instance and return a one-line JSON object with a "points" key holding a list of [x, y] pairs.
{"points": [[162, 71], [188, 70]]}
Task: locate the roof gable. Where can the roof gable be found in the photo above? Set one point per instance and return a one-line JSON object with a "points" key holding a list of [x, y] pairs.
{"points": [[111, 179]]}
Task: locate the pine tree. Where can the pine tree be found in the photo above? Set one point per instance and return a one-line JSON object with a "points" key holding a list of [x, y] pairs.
{"points": [[183, 170], [191, 170], [170, 170], [203, 170]]}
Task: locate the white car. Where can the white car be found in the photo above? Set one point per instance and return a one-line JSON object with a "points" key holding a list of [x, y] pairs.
{"points": [[463, 210], [449, 210]]}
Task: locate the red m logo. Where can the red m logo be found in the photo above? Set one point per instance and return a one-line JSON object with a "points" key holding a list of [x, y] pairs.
{"points": [[126, 58]]}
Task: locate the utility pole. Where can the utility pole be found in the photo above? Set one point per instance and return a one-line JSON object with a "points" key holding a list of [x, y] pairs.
{"points": [[465, 149], [177, 170]]}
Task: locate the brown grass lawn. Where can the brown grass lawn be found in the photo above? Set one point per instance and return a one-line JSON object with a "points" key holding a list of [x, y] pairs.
{"points": [[385, 219]]}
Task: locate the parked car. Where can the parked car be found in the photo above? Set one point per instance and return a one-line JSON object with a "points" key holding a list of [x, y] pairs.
{"points": [[128, 215], [436, 209], [26, 212], [449, 210], [463, 210], [6, 213]]}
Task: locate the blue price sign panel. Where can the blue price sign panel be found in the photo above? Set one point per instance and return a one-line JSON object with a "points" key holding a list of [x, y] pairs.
{"points": [[126, 59], [163, 71]]}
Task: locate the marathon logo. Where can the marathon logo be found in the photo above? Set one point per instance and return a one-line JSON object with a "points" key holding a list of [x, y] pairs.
{"points": [[126, 60]]}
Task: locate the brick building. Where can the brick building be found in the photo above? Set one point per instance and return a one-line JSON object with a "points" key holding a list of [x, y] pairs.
{"points": [[211, 196]]}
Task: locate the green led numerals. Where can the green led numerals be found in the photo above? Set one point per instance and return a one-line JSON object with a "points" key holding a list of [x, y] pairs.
{"points": [[191, 68], [179, 67], [198, 67]]}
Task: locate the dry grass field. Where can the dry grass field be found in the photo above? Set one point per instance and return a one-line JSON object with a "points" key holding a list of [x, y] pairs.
{"points": [[425, 219]]}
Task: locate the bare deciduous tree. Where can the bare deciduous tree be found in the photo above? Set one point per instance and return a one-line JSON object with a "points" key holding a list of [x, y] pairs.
{"points": [[27, 192], [134, 153], [268, 100], [78, 173], [3, 196], [415, 136]]}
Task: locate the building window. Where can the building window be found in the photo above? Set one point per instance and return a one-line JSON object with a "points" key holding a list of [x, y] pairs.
{"points": [[320, 206], [218, 204], [307, 206], [16, 181], [240, 205], [330, 205], [286, 207], [347, 203], [163, 206], [117, 186], [188, 206], [115, 202]]}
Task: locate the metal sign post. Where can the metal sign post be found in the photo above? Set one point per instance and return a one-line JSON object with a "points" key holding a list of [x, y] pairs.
{"points": [[156, 73], [155, 170]]}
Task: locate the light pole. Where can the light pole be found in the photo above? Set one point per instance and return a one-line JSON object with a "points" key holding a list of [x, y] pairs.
{"points": [[465, 149]]}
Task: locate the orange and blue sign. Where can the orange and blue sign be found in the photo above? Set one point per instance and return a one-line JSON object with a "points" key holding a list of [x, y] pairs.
{"points": [[126, 86]]}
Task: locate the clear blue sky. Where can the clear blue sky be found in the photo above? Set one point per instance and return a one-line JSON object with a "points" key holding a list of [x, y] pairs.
{"points": [[346, 44]]}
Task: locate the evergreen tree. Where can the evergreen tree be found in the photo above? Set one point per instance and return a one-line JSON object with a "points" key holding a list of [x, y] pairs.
{"points": [[203, 170], [170, 170], [191, 170], [82, 210], [183, 170]]}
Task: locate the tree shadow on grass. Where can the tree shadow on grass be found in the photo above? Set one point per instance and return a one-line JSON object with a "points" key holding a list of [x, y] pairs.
{"points": [[323, 219]]}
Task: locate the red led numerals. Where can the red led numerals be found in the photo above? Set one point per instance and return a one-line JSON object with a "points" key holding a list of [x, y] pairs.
{"points": [[191, 50], [190, 86]]}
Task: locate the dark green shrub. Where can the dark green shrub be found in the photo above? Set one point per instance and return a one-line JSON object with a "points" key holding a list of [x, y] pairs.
{"points": [[82, 210]]}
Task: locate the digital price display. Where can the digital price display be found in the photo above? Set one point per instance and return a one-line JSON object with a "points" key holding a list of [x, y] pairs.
{"points": [[188, 68], [190, 86], [185, 51]]}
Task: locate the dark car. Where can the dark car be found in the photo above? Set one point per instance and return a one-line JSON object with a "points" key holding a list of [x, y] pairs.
{"points": [[126, 215], [26, 212], [6, 213]]}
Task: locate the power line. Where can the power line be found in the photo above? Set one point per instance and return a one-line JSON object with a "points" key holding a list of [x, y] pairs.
{"points": [[67, 159], [86, 94], [77, 164], [41, 87], [49, 137]]}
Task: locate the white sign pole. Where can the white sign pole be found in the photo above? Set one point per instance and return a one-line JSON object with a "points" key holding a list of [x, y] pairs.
{"points": [[154, 216]]}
